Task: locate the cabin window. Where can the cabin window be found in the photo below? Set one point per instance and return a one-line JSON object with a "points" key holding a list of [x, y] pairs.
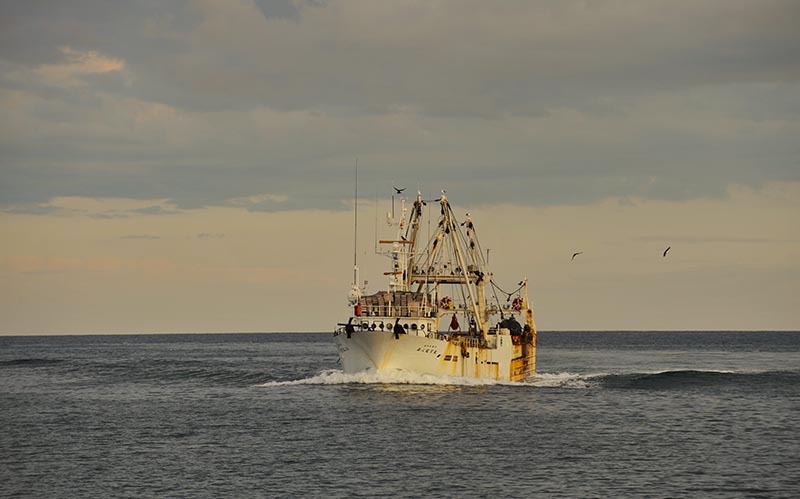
{"points": [[448, 357]]}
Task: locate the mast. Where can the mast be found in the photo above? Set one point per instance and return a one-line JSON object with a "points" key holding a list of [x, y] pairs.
{"points": [[481, 271], [354, 296], [476, 309], [431, 256], [414, 227]]}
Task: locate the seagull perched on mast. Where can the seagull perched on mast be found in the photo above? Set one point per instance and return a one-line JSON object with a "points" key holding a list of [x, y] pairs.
{"points": [[665, 251], [576, 254]]}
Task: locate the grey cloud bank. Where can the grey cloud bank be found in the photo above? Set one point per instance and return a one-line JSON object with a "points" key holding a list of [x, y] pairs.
{"points": [[527, 102]]}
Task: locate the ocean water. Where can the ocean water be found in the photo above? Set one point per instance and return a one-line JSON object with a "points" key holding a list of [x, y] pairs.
{"points": [[610, 415]]}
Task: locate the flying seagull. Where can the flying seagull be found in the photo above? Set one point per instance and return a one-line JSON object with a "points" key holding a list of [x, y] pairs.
{"points": [[665, 251], [399, 191], [576, 254]]}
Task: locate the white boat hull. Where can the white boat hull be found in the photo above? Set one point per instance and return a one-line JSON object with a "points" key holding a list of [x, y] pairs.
{"points": [[504, 360]]}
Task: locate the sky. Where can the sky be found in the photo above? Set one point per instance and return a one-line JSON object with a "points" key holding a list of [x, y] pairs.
{"points": [[188, 166]]}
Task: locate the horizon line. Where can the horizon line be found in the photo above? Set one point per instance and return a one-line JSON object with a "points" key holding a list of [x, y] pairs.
{"points": [[28, 335]]}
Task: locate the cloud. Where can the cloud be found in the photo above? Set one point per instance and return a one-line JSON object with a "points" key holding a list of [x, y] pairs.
{"points": [[209, 104], [524, 58], [125, 213], [259, 202], [76, 65], [258, 199], [285, 9], [155, 210], [100, 208], [35, 209]]}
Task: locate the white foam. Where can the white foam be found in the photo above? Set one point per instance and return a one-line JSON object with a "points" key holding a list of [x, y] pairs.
{"points": [[337, 377], [561, 380]]}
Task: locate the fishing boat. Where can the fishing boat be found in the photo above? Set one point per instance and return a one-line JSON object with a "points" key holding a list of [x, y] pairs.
{"points": [[442, 313]]}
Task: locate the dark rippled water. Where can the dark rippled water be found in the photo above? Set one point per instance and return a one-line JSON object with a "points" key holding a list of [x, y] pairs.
{"points": [[613, 415]]}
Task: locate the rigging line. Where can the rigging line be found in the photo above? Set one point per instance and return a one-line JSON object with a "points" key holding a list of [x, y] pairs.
{"points": [[499, 306], [453, 223], [450, 253], [464, 298], [504, 291], [477, 256], [478, 244]]}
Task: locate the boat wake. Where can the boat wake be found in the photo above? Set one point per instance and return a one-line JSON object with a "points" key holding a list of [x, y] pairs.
{"points": [[560, 380], [395, 377], [659, 380]]}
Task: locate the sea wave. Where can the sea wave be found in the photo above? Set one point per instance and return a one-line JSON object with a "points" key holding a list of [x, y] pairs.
{"points": [[692, 378], [670, 379], [29, 362]]}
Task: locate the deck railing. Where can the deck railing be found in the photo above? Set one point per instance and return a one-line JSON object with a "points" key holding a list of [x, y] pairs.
{"points": [[396, 311]]}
